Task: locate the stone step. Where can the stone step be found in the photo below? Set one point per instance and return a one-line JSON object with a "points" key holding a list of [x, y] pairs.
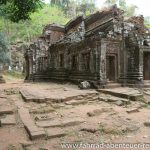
{"points": [[112, 85], [55, 133], [29, 97], [8, 120], [76, 102], [128, 93], [60, 123], [6, 110]]}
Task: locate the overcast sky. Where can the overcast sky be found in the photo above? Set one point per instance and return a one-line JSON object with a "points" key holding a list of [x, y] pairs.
{"points": [[143, 5]]}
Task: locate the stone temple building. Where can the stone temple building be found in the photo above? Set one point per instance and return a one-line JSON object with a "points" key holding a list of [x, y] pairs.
{"points": [[102, 48]]}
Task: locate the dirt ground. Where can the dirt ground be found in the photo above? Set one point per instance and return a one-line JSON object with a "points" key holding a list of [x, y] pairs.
{"points": [[76, 121]]}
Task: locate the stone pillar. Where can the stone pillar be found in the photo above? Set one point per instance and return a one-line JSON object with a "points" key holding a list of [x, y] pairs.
{"points": [[134, 71], [92, 62], [102, 71]]}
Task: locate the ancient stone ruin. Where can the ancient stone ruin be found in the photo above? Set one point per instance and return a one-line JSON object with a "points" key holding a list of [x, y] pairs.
{"points": [[101, 48]]}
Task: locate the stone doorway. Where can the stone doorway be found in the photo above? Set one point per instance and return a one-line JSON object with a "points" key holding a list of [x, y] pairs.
{"points": [[111, 68], [146, 70]]}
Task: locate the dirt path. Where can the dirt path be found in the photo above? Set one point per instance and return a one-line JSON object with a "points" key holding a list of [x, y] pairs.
{"points": [[79, 117]]}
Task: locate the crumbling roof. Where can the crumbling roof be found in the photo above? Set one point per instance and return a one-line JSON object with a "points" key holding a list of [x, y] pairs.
{"points": [[74, 22], [112, 11], [138, 22]]}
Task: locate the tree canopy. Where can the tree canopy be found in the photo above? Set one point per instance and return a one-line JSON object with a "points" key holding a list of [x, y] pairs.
{"points": [[129, 9], [17, 10]]}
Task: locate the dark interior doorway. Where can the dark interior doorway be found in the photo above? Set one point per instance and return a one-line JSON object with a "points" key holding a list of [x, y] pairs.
{"points": [[146, 70], [111, 68]]}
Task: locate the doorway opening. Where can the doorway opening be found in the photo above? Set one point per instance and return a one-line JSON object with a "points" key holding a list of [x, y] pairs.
{"points": [[146, 67], [111, 65]]}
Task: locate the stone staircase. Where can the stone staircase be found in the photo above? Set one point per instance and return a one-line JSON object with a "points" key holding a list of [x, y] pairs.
{"points": [[112, 85]]}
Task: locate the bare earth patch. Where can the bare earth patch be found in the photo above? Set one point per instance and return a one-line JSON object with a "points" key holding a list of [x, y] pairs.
{"points": [[36, 116]]}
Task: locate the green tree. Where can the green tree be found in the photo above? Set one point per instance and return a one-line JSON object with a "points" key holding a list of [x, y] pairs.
{"points": [[129, 9], [26, 30], [110, 2], [17, 10], [147, 21], [86, 6]]}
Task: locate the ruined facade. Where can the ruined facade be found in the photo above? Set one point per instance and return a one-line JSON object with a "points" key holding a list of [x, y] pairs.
{"points": [[101, 48]]}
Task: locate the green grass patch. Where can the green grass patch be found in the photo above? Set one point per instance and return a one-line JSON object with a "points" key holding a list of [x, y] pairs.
{"points": [[10, 75]]}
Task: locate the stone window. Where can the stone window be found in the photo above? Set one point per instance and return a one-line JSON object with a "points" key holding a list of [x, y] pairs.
{"points": [[74, 62], [61, 57], [86, 61]]}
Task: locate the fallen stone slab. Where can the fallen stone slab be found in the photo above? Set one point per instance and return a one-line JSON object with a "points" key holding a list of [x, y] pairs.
{"points": [[134, 110], [8, 120], [55, 133], [75, 102], [6, 110], [60, 123]]}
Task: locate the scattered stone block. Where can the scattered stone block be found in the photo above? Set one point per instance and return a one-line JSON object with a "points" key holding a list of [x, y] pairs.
{"points": [[119, 103], [134, 110], [55, 133], [8, 120], [147, 124], [84, 85]]}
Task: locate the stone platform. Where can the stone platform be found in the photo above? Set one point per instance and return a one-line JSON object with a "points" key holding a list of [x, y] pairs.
{"points": [[57, 96]]}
